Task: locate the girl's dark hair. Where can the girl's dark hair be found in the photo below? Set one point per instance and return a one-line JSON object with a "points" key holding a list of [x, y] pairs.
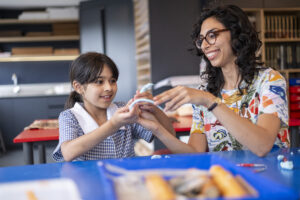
{"points": [[86, 69], [244, 43]]}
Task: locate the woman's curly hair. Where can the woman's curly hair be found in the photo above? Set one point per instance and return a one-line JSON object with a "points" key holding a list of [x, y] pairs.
{"points": [[244, 43]]}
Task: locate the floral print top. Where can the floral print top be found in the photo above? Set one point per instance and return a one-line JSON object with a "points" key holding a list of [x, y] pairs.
{"points": [[267, 94]]}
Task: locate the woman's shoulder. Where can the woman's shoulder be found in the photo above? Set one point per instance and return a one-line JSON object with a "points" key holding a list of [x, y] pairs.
{"points": [[270, 75]]}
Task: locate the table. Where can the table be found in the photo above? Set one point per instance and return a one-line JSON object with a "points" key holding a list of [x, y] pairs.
{"points": [[36, 136], [30, 137], [182, 127], [87, 176]]}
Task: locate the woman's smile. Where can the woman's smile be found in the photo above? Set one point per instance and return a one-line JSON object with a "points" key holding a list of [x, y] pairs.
{"points": [[212, 54]]}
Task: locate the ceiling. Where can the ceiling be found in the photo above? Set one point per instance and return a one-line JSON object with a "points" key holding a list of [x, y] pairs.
{"points": [[37, 3]]}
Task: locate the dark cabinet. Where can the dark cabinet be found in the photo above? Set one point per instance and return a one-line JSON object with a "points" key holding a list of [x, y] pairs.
{"points": [[107, 27], [16, 113]]}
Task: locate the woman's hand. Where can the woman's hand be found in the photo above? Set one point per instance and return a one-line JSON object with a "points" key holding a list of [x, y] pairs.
{"points": [[181, 95], [143, 95]]}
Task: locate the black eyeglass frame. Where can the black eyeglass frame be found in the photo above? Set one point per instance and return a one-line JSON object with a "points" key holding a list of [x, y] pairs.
{"points": [[199, 40]]}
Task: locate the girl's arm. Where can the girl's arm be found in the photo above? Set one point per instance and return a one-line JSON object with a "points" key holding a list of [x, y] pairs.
{"points": [[163, 119], [259, 138], [197, 142], [74, 148]]}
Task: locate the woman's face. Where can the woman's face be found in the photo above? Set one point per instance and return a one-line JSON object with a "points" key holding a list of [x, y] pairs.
{"points": [[220, 53], [101, 93]]}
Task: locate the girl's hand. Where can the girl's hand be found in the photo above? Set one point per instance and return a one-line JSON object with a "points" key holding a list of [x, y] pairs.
{"points": [[144, 105], [148, 107], [181, 95], [125, 116], [148, 120]]}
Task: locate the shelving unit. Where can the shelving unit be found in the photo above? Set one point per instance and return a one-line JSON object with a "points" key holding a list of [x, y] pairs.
{"points": [[279, 31], [37, 58], [142, 38], [49, 39]]}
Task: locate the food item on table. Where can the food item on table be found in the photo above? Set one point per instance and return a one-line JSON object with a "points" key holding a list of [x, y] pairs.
{"points": [[209, 190], [289, 165], [159, 188], [30, 195], [189, 184], [227, 183]]}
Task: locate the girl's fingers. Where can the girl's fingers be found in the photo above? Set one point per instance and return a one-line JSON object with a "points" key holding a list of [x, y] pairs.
{"points": [[123, 109], [147, 115], [129, 102]]}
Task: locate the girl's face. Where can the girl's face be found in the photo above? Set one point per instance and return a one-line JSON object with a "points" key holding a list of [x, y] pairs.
{"points": [[219, 52], [101, 93]]}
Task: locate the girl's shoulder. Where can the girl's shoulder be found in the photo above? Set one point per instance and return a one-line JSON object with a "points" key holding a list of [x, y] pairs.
{"points": [[66, 114], [119, 104]]}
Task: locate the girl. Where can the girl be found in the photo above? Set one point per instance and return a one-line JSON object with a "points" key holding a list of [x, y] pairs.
{"points": [[93, 127], [243, 105]]}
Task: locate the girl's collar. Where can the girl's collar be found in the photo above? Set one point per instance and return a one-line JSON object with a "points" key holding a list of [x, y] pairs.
{"points": [[86, 121]]}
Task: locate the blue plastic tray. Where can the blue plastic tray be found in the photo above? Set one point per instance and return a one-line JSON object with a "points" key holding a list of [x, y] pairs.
{"points": [[266, 188]]}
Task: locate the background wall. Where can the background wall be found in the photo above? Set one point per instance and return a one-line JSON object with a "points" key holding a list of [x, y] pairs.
{"points": [[107, 27]]}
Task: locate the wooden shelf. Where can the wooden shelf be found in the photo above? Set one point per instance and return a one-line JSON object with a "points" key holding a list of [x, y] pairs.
{"points": [[37, 58], [280, 9], [289, 70], [45, 21], [274, 40], [40, 38]]}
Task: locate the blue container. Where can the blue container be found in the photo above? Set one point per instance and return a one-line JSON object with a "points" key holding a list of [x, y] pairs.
{"points": [[266, 188], [294, 81]]}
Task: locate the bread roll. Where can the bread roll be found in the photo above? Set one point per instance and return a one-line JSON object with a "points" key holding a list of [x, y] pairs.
{"points": [[159, 188], [226, 182]]}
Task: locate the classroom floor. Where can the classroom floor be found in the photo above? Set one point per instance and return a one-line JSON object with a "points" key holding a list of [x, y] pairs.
{"points": [[14, 157]]}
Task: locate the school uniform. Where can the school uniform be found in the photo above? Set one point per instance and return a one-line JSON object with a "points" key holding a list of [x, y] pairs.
{"points": [[76, 122]]}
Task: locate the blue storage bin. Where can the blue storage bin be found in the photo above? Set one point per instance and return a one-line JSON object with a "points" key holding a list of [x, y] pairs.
{"points": [[294, 81], [267, 189]]}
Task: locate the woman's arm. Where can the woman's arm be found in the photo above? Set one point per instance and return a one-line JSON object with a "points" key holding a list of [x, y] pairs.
{"points": [[74, 148], [259, 138]]}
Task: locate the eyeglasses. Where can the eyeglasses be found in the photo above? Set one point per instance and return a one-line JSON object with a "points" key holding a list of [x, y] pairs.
{"points": [[210, 37]]}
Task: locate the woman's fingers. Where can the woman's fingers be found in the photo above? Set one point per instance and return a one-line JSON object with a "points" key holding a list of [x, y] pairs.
{"points": [[167, 95], [176, 102], [144, 95]]}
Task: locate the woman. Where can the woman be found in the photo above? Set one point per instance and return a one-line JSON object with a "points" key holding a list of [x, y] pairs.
{"points": [[243, 105]]}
